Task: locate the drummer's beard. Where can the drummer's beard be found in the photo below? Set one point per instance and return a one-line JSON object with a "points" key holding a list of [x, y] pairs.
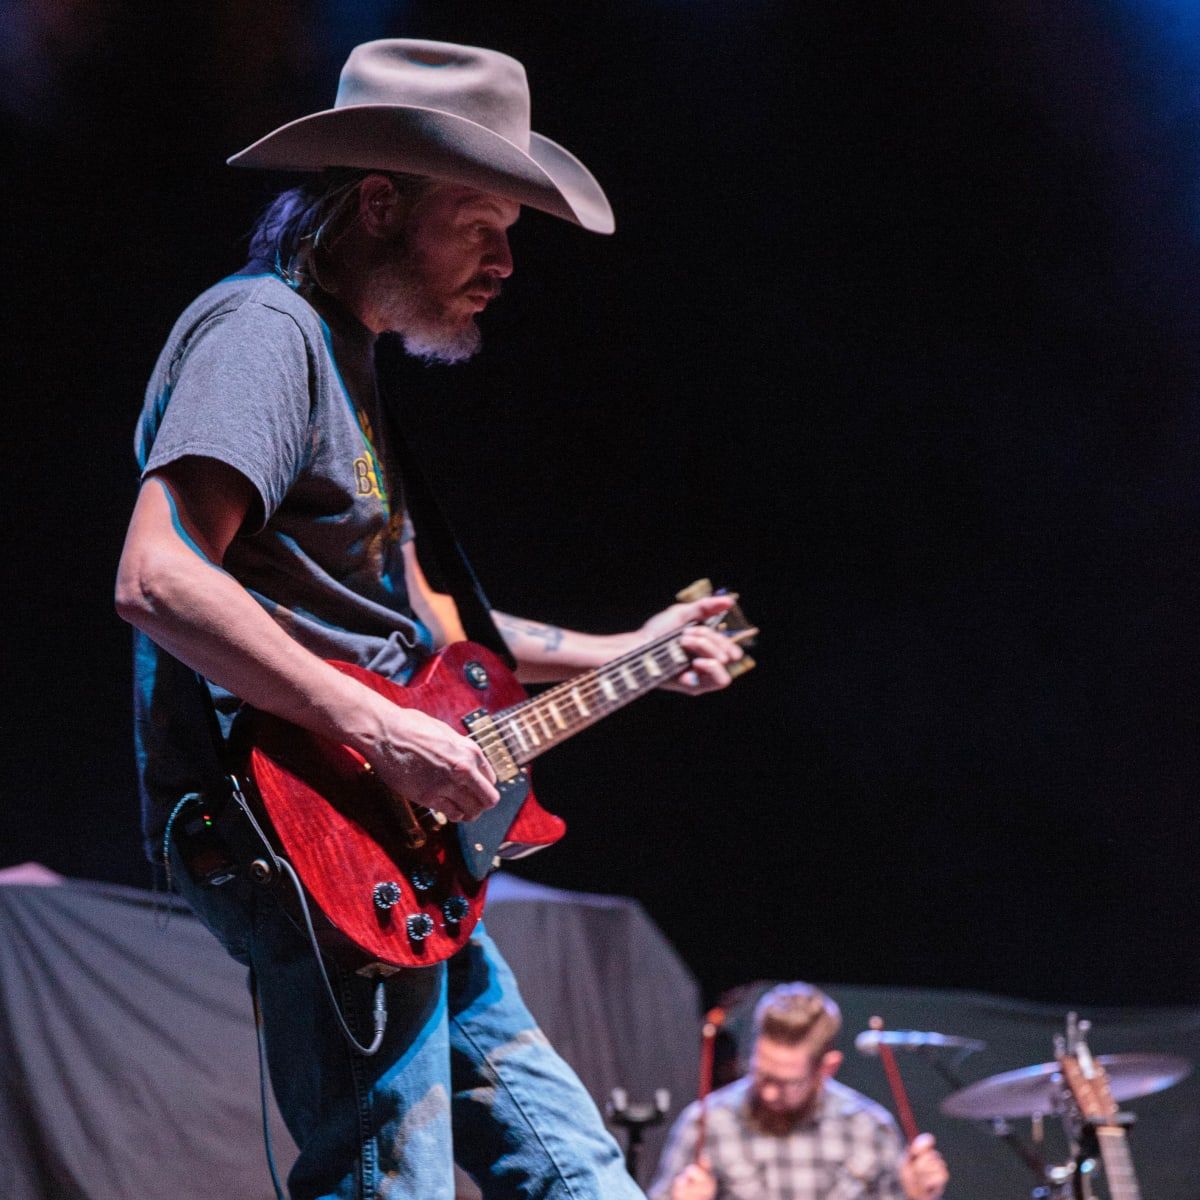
{"points": [[781, 1122]]}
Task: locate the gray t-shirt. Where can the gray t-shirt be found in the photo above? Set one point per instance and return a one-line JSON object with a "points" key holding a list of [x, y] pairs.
{"points": [[254, 376]]}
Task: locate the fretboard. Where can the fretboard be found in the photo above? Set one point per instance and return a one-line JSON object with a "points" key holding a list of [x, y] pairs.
{"points": [[1118, 1166], [535, 725]]}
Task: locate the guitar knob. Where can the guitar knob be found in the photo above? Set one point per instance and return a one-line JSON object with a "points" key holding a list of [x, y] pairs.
{"points": [[423, 879], [386, 895], [454, 909], [420, 926]]}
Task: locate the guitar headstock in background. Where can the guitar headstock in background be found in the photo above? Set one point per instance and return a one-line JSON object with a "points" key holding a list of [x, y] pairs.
{"points": [[1087, 1082], [1085, 1077]]}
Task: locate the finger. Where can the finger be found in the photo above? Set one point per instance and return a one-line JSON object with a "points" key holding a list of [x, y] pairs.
{"points": [[922, 1143], [702, 641], [483, 765], [710, 674], [461, 805], [710, 606], [467, 797]]}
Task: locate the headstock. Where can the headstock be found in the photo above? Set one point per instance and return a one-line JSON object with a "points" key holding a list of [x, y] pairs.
{"points": [[1085, 1077], [732, 623], [1096, 1110]]}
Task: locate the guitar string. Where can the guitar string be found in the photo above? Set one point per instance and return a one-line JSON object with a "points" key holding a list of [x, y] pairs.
{"points": [[534, 723], [537, 727], [588, 684], [590, 687]]}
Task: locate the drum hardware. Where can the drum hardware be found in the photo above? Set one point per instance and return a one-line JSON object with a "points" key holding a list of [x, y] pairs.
{"points": [[1080, 1091], [635, 1118]]}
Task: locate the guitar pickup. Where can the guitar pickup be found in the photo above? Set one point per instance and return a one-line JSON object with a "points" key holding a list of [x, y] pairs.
{"points": [[482, 729]]}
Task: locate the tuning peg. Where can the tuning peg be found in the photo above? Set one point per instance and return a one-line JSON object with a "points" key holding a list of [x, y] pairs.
{"points": [[701, 589], [740, 666]]}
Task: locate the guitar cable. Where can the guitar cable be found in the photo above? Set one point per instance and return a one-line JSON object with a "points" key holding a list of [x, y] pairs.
{"points": [[281, 866], [223, 761]]}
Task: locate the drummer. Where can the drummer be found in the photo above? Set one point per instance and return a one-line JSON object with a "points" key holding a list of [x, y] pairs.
{"points": [[787, 1130]]}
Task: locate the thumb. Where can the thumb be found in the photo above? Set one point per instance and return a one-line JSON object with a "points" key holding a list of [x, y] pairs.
{"points": [[921, 1143]]}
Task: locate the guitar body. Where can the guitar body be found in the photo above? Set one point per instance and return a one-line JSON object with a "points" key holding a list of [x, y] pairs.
{"points": [[383, 902]]}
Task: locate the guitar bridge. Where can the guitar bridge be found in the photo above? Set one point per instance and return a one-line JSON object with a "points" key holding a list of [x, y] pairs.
{"points": [[482, 729]]}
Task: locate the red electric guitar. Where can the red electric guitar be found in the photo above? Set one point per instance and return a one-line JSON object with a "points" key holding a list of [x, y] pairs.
{"points": [[397, 886]]}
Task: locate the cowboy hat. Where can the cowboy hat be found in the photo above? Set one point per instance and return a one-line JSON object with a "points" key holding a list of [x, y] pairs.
{"points": [[456, 113]]}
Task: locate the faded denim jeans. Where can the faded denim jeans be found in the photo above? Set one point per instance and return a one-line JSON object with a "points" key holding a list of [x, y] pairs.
{"points": [[461, 1052]]}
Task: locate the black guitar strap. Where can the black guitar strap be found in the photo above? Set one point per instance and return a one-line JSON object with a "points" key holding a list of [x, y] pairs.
{"points": [[451, 567]]}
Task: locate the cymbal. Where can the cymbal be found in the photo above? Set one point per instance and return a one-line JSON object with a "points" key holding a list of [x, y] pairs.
{"points": [[1030, 1090]]}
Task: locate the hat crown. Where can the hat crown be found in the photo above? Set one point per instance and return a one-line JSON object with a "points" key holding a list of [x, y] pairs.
{"points": [[478, 85]]}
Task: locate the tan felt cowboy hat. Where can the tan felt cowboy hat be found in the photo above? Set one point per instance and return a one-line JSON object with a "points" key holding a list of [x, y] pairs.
{"points": [[457, 113]]}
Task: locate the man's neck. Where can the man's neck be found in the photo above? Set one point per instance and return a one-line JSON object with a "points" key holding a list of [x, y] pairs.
{"points": [[347, 280], [334, 310]]}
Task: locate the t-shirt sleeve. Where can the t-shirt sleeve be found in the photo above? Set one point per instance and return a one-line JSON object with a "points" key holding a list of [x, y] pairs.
{"points": [[241, 393]]}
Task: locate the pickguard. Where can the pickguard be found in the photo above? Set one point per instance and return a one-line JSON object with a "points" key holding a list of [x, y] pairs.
{"points": [[480, 840]]}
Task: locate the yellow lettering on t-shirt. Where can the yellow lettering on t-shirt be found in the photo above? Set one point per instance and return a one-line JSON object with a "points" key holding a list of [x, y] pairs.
{"points": [[365, 480]]}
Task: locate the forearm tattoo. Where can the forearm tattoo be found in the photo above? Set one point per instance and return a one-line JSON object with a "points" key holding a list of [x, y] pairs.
{"points": [[549, 635]]}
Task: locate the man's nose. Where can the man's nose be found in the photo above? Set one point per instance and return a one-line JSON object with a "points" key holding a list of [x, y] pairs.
{"points": [[498, 260]]}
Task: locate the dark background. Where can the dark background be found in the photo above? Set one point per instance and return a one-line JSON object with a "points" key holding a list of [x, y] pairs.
{"points": [[897, 336]]}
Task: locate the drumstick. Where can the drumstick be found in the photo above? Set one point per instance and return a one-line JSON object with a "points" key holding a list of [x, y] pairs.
{"points": [[903, 1108], [713, 1020]]}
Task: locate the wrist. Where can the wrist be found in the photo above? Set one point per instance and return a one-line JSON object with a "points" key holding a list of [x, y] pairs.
{"points": [[354, 715]]}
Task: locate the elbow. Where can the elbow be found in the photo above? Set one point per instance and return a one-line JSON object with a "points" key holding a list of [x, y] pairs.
{"points": [[140, 593]]}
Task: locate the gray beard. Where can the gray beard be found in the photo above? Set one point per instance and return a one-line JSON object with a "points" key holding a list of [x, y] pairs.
{"points": [[412, 313]]}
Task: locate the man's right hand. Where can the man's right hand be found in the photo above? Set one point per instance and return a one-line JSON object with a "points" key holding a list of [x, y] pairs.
{"points": [[430, 764], [170, 586], [695, 1182]]}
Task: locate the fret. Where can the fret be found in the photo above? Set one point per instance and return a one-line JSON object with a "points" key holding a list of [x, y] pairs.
{"points": [[543, 721]]}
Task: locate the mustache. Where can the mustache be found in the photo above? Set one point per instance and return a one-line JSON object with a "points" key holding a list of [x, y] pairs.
{"points": [[482, 285]]}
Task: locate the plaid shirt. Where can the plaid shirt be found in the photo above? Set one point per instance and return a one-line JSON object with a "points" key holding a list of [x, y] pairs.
{"points": [[850, 1150]]}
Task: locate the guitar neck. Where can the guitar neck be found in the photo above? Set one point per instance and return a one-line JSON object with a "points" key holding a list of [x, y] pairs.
{"points": [[535, 725], [1118, 1166]]}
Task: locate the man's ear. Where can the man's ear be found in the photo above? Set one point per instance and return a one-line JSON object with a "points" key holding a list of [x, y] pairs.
{"points": [[830, 1063], [379, 206]]}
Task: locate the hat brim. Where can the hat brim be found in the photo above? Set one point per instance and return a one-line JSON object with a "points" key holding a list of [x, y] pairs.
{"points": [[427, 141]]}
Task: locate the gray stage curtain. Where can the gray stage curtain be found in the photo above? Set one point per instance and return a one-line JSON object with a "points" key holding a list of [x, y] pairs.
{"points": [[128, 1059]]}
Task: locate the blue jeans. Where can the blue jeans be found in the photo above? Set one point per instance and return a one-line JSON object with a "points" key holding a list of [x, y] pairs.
{"points": [[461, 1052]]}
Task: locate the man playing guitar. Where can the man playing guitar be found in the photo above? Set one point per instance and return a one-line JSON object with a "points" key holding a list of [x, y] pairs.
{"points": [[270, 535]]}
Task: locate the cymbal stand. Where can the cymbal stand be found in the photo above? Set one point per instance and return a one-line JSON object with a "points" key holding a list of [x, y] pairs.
{"points": [[1001, 1128], [635, 1118]]}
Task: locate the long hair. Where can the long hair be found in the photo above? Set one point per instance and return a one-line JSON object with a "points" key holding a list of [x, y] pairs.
{"points": [[300, 228]]}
